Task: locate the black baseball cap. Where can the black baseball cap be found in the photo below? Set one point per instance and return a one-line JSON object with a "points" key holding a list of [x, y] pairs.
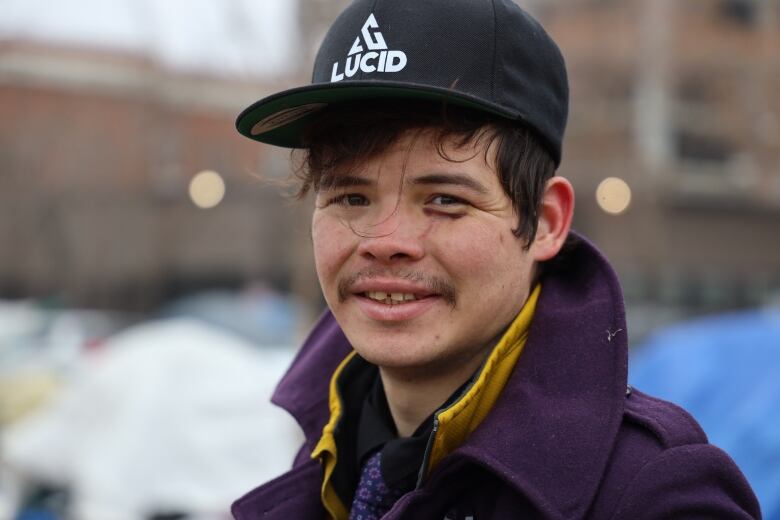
{"points": [[488, 55]]}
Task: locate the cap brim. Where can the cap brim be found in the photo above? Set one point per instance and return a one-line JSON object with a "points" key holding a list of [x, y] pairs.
{"points": [[280, 119]]}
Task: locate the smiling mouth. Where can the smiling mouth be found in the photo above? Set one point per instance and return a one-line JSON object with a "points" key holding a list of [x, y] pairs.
{"points": [[390, 298], [397, 288]]}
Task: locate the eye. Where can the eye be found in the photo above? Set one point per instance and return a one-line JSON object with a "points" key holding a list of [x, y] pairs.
{"points": [[349, 200], [446, 200]]}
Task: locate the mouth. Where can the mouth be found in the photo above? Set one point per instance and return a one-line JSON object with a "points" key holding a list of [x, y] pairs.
{"points": [[393, 298], [394, 304], [400, 291]]}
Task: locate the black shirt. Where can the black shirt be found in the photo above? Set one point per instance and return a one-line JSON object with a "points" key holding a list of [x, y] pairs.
{"points": [[366, 426], [402, 457]]}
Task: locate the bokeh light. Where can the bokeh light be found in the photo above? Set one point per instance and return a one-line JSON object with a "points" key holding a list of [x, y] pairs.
{"points": [[207, 189], [613, 195]]}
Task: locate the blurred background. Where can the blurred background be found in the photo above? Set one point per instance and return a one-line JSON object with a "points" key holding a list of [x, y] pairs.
{"points": [[155, 278]]}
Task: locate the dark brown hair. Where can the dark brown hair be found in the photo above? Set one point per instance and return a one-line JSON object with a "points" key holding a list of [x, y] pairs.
{"points": [[343, 136]]}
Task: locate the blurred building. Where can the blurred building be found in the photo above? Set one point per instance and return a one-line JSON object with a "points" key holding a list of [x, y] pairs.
{"points": [[678, 99], [97, 155], [681, 100], [98, 148]]}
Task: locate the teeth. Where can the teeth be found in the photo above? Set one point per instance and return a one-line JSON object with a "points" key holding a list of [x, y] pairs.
{"points": [[392, 298]]}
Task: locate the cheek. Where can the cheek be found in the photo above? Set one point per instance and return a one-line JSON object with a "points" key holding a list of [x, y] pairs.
{"points": [[487, 264], [477, 251], [332, 243]]}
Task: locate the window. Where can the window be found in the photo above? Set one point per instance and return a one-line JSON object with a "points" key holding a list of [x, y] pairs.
{"points": [[740, 12], [692, 146]]}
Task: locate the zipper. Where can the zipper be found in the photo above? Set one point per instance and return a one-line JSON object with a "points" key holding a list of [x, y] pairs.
{"points": [[427, 454], [432, 437]]}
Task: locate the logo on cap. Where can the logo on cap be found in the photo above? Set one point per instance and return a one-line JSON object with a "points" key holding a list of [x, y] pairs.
{"points": [[377, 59]]}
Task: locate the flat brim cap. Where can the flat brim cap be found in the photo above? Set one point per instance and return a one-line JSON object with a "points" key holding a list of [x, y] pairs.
{"points": [[488, 55]]}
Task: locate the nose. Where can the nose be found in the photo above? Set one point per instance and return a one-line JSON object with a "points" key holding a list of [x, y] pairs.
{"points": [[396, 237]]}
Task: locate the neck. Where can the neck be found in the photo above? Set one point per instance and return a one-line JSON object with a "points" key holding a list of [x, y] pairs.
{"points": [[413, 397]]}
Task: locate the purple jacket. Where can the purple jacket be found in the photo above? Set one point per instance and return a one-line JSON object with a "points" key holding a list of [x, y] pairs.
{"points": [[567, 439]]}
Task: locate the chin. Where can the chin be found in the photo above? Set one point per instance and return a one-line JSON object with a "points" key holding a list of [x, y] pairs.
{"points": [[394, 351], [387, 349]]}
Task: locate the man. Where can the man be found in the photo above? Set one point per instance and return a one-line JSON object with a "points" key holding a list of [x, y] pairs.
{"points": [[472, 363]]}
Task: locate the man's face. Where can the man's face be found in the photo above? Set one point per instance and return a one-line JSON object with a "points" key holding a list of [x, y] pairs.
{"points": [[416, 257]]}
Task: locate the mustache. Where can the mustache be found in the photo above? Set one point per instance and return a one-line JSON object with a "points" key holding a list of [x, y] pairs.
{"points": [[432, 284]]}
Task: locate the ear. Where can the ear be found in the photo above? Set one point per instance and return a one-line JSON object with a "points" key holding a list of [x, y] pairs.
{"points": [[555, 214]]}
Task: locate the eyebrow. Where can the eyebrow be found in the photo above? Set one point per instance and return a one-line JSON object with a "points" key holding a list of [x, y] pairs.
{"points": [[333, 182], [457, 179]]}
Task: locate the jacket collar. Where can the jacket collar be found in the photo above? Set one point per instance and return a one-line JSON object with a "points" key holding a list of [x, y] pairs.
{"points": [[569, 384], [304, 389], [563, 406]]}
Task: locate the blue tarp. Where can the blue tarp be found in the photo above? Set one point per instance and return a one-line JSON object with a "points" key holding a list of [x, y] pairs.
{"points": [[725, 370]]}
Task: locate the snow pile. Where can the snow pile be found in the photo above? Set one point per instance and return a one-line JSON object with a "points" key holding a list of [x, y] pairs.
{"points": [[169, 415]]}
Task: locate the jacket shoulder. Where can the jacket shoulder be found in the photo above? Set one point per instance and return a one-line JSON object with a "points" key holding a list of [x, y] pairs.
{"points": [[294, 494], [668, 424], [662, 466]]}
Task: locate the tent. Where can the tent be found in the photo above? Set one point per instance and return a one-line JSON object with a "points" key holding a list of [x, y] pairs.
{"points": [[725, 371]]}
